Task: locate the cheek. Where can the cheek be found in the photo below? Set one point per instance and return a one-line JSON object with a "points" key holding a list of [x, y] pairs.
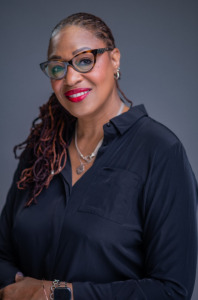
{"points": [[102, 75], [56, 86]]}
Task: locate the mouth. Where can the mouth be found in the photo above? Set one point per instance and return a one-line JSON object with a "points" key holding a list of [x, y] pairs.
{"points": [[77, 95]]}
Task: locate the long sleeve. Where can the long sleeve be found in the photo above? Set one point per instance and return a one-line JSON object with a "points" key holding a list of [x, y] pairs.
{"points": [[8, 260], [168, 204]]}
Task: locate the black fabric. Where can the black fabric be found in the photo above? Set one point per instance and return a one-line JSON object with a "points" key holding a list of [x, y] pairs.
{"points": [[125, 230]]}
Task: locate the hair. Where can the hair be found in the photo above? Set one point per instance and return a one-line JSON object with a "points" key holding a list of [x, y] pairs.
{"points": [[45, 147]]}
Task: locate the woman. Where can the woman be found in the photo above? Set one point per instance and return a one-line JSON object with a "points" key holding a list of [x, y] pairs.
{"points": [[105, 198]]}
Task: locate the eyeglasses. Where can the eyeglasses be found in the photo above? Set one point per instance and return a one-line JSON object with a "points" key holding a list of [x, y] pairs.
{"points": [[83, 62]]}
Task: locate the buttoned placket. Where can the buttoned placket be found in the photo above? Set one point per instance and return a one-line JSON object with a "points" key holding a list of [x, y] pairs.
{"points": [[110, 132]]}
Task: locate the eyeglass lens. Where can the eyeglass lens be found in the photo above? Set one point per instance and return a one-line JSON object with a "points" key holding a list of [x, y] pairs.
{"points": [[82, 63]]}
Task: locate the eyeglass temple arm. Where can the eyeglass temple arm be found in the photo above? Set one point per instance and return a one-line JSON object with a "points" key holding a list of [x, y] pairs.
{"points": [[102, 50]]}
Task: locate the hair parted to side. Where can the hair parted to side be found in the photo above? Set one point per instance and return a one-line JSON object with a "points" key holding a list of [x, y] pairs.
{"points": [[91, 23], [45, 147]]}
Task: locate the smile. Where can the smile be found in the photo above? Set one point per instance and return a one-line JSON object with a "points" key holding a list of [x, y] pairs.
{"points": [[77, 95]]}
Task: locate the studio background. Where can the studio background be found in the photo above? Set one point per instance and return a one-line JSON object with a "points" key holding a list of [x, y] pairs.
{"points": [[158, 41]]}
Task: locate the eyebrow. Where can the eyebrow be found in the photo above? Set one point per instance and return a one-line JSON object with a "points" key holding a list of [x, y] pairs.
{"points": [[80, 49], [73, 53], [55, 56]]}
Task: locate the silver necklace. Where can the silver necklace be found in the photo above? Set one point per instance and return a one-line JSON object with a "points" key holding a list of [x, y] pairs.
{"points": [[89, 158]]}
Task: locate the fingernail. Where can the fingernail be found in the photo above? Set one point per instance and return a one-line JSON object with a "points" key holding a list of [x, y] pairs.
{"points": [[20, 274]]}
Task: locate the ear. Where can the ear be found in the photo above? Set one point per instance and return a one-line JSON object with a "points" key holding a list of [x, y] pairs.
{"points": [[115, 59]]}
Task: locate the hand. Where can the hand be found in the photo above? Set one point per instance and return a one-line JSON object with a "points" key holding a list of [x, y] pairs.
{"points": [[25, 288]]}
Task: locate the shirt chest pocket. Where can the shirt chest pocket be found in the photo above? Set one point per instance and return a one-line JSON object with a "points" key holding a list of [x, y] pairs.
{"points": [[110, 193]]}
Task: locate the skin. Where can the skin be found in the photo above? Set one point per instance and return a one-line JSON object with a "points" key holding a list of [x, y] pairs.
{"points": [[102, 104], [26, 288]]}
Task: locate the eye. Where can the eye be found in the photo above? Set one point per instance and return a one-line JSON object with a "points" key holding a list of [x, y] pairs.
{"points": [[57, 69], [85, 61]]}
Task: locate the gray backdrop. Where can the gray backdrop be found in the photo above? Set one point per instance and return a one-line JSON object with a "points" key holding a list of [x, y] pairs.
{"points": [[158, 41]]}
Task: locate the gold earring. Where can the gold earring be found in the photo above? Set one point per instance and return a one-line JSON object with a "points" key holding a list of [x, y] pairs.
{"points": [[117, 75]]}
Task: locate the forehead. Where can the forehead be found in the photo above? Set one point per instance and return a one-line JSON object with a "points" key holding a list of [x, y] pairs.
{"points": [[72, 38]]}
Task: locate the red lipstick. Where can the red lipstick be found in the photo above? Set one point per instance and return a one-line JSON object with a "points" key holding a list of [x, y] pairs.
{"points": [[77, 95]]}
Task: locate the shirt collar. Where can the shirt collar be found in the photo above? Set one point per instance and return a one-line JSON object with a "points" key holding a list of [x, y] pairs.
{"points": [[126, 120]]}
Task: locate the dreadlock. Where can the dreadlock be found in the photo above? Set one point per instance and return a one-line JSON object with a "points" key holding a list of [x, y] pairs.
{"points": [[45, 147]]}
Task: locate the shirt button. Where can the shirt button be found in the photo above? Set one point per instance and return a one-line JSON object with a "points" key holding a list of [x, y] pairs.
{"points": [[105, 143], [108, 124]]}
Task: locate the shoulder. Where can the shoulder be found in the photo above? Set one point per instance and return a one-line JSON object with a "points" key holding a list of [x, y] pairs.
{"points": [[157, 131], [156, 137]]}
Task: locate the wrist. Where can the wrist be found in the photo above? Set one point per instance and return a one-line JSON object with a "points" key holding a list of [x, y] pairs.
{"points": [[46, 286], [61, 288]]}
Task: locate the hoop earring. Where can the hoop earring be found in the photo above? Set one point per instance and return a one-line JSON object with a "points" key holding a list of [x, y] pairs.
{"points": [[117, 75]]}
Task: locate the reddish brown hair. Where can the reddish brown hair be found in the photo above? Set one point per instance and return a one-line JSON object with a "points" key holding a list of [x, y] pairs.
{"points": [[45, 147]]}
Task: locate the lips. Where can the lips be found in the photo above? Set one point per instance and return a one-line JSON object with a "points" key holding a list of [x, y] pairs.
{"points": [[77, 95]]}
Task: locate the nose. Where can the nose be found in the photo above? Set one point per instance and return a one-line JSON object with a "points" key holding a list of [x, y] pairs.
{"points": [[72, 77]]}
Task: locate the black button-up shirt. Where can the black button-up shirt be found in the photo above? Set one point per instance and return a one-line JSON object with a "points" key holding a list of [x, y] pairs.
{"points": [[125, 230]]}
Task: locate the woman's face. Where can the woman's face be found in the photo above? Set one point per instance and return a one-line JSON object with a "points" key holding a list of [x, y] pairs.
{"points": [[100, 80]]}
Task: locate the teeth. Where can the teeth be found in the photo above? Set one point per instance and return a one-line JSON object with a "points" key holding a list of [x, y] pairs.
{"points": [[78, 94]]}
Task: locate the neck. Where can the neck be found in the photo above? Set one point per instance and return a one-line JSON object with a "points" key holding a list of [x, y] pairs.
{"points": [[91, 127]]}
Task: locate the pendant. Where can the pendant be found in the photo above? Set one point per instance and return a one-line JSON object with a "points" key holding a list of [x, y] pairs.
{"points": [[80, 169], [89, 158]]}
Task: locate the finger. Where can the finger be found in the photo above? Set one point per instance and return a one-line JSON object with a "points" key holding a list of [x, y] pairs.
{"points": [[19, 276]]}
